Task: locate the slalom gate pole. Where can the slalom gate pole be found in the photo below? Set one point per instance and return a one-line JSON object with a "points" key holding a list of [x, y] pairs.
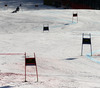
{"points": [[36, 67], [82, 45], [91, 45], [25, 67]]}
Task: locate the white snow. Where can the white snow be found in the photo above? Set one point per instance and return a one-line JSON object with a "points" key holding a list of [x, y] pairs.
{"points": [[58, 52]]}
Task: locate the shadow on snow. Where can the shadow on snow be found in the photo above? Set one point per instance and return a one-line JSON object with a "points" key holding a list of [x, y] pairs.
{"points": [[70, 58]]}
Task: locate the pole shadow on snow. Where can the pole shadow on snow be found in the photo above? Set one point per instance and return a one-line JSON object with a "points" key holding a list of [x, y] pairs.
{"points": [[67, 24], [6, 87], [70, 58]]}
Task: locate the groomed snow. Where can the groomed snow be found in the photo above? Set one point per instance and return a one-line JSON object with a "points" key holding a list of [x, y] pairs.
{"points": [[58, 52]]}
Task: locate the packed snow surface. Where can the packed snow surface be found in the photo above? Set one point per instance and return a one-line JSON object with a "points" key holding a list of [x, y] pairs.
{"points": [[58, 51]]}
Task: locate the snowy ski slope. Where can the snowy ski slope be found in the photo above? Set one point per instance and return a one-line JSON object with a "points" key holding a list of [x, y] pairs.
{"points": [[58, 52]]}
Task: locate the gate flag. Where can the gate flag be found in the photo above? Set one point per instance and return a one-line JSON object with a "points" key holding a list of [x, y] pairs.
{"points": [[30, 61], [46, 27], [86, 41], [75, 15]]}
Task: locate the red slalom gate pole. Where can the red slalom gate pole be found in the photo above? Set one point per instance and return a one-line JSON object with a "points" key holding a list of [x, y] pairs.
{"points": [[25, 67], [36, 68]]}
